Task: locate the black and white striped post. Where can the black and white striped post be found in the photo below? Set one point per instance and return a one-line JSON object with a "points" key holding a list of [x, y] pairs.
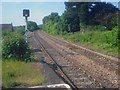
{"points": [[26, 14]]}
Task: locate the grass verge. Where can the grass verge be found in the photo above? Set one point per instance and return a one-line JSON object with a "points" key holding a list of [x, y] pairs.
{"points": [[15, 73], [103, 41]]}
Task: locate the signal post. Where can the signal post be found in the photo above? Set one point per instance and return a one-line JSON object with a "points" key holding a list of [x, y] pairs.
{"points": [[26, 14]]}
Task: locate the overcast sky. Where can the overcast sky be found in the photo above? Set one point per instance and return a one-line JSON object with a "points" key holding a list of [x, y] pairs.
{"points": [[12, 11]]}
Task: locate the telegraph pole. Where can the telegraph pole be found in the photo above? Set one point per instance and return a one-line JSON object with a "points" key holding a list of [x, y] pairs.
{"points": [[26, 14]]}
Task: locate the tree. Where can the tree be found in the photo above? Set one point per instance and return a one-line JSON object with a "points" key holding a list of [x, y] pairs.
{"points": [[93, 13], [103, 13], [71, 21], [81, 14], [50, 23], [32, 26], [81, 9]]}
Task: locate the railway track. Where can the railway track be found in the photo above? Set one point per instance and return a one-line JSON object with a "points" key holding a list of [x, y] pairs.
{"points": [[52, 61], [109, 68], [109, 62], [106, 67], [99, 70], [76, 75]]}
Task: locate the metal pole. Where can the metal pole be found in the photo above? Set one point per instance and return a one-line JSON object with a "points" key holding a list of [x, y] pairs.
{"points": [[26, 30]]}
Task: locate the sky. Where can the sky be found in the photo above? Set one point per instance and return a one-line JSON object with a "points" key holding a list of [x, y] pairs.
{"points": [[12, 12]]}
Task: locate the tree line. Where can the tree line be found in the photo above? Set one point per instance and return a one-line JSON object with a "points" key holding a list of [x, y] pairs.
{"points": [[81, 14]]}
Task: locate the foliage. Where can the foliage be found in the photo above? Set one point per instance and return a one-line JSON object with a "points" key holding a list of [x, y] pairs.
{"points": [[96, 21], [50, 23], [32, 26], [14, 45], [103, 13], [94, 13], [20, 73], [40, 26], [70, 21], [79, 14], [107, 41], [20, 29]]}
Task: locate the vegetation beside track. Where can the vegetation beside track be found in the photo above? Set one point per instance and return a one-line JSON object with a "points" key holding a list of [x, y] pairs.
{"points": [[102, 41], [96, 39], [19, 73], [93, 24], [18, 66]]}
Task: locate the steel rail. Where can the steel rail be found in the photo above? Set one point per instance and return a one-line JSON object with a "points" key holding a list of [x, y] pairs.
{"points": [[88, 72], [110, 67], [69, 81]]}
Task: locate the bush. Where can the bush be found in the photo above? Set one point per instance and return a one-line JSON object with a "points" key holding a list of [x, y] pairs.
{"points": [[98, 38], [14, 45], [32, 26], [20, 30], [99, 28]]}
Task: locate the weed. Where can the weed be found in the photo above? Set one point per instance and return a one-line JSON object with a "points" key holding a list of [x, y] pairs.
{"points": [[16, 73]]}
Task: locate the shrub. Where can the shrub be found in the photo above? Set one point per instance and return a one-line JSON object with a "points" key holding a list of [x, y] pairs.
{"points": [[98, 38], [20, 30], [14, 45], [32, 26]]}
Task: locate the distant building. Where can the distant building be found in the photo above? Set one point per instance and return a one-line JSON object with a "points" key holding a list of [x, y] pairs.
{"points": [[6, 27]]}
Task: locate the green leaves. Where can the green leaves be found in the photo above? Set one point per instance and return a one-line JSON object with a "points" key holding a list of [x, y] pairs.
{"points": [[51, 23], [106, 41], [32, 26], [79, 14], [14, 45], [71, 21]]}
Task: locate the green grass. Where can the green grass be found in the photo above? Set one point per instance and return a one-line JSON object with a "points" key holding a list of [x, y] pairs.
{"points": [[100, 40], [103, 41], [0, 73], [16, 73], [0, 58]]}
